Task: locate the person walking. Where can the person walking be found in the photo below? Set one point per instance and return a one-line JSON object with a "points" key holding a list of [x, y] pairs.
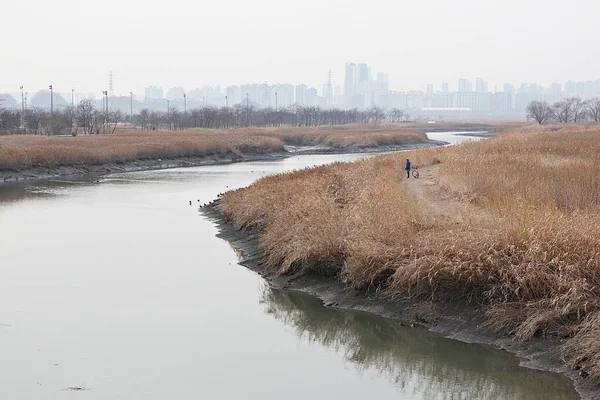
{"points": [[407, 168]]}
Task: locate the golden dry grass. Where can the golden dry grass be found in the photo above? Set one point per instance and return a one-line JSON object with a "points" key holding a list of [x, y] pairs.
{"points": [[529, 250], [19, 152]]}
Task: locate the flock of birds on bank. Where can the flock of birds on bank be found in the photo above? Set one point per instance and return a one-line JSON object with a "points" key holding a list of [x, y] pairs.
{"points": [[219, 197]]}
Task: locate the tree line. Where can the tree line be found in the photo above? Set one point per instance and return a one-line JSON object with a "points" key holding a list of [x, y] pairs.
{"points": [[85, 118], [572, 109]]}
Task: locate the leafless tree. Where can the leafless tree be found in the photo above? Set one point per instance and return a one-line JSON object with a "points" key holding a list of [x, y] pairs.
{"points": [[569, 110], [579, 109], [85, 112], [540, 111], [33, 119], [144, 118], [395, 115], [9, 120], [593, 109], [114, 117]]}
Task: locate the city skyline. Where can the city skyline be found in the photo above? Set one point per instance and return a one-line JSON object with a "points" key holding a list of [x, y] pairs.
{"points": [[180, 43], [362, 88]]}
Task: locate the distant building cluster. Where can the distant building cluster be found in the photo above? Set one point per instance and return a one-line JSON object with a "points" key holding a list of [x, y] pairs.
{"points": [[360, 90]]}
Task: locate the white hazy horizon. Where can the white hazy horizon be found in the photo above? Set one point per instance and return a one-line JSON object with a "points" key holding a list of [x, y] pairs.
{"points": [[74, 44]]}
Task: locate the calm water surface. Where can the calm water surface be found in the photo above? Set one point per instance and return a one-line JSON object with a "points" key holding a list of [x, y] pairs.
{"points": [[120, 287]]}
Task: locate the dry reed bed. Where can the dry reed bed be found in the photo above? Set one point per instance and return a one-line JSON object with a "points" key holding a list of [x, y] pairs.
{"points": [[529, 251], [19, 152]]}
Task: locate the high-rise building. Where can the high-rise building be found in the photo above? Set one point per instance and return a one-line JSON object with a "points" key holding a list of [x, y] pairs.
{"points": [[464, 85], [175, 93], [429, 89], [445, 88], [481, 85], [350, 79], [154, 93], [301, 94]]}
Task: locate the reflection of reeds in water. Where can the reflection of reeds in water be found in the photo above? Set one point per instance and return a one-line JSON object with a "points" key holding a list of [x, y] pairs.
{"points": [[421, 364]]}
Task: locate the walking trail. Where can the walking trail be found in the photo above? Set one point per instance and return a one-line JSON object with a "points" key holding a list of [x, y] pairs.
{"points": [[438, 201]]}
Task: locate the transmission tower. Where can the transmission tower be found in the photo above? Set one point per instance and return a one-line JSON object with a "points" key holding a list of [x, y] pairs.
{"points": [[111, 84], [329, 89]]}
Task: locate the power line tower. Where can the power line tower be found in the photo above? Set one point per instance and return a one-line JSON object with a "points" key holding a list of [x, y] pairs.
{"points": [[111, 84], [329, 89]]}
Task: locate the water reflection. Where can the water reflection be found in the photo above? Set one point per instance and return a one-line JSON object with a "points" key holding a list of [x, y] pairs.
{"points": [[421, 364]]}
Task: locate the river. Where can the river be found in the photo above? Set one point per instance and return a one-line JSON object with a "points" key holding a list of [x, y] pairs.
{"points": [[118, 287]]}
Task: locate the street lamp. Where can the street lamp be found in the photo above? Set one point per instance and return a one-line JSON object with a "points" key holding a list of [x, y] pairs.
{"points": [[168, 114], [185, 104], [105, 95], [105, 100], [51, 100], [226, 102], [131, 108], [276, 113], [22, 101], [247, 110], [73, 97]]}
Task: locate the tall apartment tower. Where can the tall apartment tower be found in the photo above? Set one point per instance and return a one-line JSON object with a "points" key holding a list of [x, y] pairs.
{"points": [[350, 79], [464, 85], [481, 85]]}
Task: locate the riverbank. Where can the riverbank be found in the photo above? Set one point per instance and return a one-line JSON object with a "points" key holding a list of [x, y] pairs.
{"points": [[68, 172], [453, 320], [504, 230], [27, 157]]}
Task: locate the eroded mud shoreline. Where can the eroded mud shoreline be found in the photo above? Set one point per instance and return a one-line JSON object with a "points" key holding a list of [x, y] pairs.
{"points": [[453, 320], [75, 171]]}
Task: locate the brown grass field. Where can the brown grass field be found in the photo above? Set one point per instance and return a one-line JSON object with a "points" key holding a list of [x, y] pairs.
{"points": [[19, 152], [511, 223]]}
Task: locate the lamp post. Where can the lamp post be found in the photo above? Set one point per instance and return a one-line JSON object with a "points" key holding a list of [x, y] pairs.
{"points": [[247, 110], [276, 113], [73, 97], [131, 108], [105, 96], [168, 114], [51, 99], [226, 102], [22, 101], [185, 105]]}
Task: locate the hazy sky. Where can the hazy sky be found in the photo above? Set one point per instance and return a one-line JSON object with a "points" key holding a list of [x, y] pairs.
{"points": [[74, 44]]}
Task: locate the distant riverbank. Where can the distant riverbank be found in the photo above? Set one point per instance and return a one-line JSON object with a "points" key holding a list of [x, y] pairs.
{"points": [[28, 157]]}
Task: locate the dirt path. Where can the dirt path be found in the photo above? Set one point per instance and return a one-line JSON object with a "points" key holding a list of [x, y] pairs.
{"points": [[431, 195]]}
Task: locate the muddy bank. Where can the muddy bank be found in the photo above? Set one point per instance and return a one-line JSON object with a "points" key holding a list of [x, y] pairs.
{"points": [[453, 320], [45, 173]]}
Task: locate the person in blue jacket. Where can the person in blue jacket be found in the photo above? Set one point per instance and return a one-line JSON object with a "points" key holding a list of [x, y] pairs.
{"points": [[407, 168]]}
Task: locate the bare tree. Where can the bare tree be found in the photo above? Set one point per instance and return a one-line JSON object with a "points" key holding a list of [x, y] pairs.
{"points": [[114, 117], [579, 108], [9, 120], [569, 110], [540, 111], [593, 109], [85, 112], [144, 118], [33, 119]]}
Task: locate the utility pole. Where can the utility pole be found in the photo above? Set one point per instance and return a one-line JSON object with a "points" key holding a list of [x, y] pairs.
{"points": [[247, 110], [185, 107], [131, 108]]}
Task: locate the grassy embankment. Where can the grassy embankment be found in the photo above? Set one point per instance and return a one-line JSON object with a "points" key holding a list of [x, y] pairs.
{"points": [[511, 223], [19, 152]]}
